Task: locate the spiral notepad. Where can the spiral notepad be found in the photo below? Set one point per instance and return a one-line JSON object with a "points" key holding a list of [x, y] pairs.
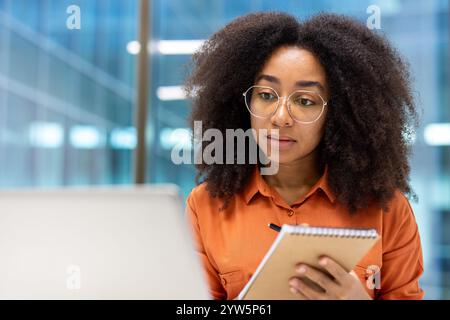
{"points": [[331, 232], [296, 244]]}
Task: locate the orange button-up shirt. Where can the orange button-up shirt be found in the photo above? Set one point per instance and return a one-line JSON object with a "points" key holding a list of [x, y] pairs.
{"points": [[232, 243]]}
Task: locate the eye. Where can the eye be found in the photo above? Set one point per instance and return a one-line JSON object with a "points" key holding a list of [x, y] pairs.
{"points": [[267, 96], [304, 102]]}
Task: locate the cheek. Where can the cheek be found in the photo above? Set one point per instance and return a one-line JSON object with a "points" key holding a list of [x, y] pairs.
{"points": [[257, 123], [305, 145], [260, 129], [311, 135]]}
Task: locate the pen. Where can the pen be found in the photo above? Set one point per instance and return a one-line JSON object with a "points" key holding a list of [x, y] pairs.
{"points": [[274, 227]]}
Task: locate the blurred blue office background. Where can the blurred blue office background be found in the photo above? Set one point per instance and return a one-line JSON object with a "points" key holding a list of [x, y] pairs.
{"points": [[67, 95]]}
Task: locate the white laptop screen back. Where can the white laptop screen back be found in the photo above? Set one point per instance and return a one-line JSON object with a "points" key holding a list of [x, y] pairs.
{"points": [[106, 243]]}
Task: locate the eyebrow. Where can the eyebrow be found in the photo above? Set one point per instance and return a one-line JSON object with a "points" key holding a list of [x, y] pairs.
{"points": [[301, 83]]}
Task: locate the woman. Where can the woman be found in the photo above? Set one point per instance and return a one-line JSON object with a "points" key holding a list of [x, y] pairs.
{"points": [[339, 97]]}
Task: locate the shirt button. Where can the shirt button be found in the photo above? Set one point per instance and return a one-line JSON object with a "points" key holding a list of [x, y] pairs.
{"points": [[291, 213]]}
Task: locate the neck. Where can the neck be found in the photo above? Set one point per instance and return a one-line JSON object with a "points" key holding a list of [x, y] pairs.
{"points": [[296, 174]]}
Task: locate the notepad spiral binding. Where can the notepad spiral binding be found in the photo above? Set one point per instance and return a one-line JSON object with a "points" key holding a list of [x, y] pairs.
{"points": [[334, 232]]}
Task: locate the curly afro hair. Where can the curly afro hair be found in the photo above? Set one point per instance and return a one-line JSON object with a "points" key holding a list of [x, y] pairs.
{"points": [[371, 114]]}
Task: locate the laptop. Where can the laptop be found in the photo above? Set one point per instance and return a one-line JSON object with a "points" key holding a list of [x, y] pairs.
{"points": [[97, 243]]}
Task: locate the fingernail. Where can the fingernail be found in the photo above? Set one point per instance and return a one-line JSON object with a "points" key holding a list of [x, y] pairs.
{"points": [[323, 261], [301, 269], [293, 290]]}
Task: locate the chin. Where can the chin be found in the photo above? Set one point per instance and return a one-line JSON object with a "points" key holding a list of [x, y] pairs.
{"points": [[287, 158]]}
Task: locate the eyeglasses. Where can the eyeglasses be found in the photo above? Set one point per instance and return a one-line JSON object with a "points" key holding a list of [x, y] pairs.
{"points": [[303, 106]]}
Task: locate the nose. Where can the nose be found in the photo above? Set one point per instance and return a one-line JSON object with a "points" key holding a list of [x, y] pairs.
{"points": [[281, 117]]}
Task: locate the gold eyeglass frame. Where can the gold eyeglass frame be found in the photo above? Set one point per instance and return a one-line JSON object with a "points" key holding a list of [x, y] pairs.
{"points": [[324, 104]]}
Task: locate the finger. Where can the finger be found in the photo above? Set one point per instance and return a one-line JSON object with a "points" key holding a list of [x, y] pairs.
{"points": [[319, 277], [353, 273], [334, 268], [297, 293], [306, 290]]}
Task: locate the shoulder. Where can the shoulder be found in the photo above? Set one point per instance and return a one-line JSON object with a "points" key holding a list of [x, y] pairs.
{"points": [[200, 200], [205, 206], [198, 195], [399, 207], [399, 220]]}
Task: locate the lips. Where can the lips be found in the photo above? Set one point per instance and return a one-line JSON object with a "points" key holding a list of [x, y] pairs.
{"points": [[281, 138], [281, 143]]}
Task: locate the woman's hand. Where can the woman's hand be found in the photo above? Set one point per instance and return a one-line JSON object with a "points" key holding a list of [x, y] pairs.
{"points": [[344, 286]]}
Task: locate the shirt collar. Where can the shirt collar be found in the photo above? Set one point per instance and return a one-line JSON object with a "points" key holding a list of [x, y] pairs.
{"points": [[258, 184]]}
